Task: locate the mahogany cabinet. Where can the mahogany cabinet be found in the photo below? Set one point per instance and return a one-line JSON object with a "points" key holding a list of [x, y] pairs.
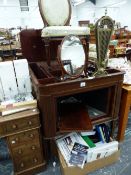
{"points": [[100, 95]]}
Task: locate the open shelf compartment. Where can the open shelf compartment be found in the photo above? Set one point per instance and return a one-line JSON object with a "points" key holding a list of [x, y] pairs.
{"points": [[78, 112]]}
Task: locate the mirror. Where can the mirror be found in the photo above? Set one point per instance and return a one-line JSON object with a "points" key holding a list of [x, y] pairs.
{"points": [[72, 56]]}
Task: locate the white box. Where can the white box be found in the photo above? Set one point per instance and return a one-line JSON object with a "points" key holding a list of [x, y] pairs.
{"points": [[8, 80]]}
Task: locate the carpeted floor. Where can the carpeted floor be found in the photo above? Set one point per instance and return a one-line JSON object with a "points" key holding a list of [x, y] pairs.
{"points": [[121, 167], [6, 166]]}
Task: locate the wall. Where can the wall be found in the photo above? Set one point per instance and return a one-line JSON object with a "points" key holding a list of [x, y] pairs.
{"points": [[11, 16], [85, 11], [119, 13]]}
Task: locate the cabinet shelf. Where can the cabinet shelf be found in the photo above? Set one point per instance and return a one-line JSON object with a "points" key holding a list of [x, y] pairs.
{"points": [[78, 112], [74, 117]]}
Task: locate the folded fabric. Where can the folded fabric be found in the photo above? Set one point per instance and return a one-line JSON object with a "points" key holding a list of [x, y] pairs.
{"points": [[92, 55], [92, 47], [124, 65]]}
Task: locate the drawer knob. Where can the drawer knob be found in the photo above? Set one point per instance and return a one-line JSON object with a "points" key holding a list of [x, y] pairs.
{"points": [[31, 135], [14, 126], [30, 122], [34, 46], [16, 139], [19, 151], [22, 165], [35, 160], [33, 147], [13, 141]]}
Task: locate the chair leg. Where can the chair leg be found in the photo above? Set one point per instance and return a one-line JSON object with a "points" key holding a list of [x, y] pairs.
{"points": [[47, 50]]}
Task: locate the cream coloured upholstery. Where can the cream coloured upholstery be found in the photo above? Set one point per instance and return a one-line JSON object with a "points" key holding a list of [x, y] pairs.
{"points": [[56, 14], [53, 31]]}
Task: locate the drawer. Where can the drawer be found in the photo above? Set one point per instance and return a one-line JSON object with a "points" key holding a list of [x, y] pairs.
{"points": [[28, 162], [21, 124], [24, 137], [26, 150]]}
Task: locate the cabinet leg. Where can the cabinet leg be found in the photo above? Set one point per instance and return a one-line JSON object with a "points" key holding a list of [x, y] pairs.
{"points": [[124, 111]]}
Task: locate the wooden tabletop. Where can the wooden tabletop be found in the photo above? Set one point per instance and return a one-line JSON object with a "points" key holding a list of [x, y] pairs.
{"points": [[127, 87], [124, 111]]}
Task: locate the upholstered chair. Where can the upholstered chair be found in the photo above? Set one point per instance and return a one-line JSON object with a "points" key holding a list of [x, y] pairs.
{"points": [[56, 16]]}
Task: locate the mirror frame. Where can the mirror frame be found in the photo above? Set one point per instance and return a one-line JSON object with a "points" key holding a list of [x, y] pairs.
{"points": [[84, 71]]}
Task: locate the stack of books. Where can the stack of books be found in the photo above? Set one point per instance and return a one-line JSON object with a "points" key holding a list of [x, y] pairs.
{"points": [[73, 148], [80, 148]]}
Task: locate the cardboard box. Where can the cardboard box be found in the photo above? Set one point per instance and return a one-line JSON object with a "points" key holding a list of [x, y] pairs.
{"points": [[89, 167]]}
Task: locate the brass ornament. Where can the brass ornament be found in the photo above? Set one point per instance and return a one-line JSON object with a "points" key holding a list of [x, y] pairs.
{"points": [[103, 31]]}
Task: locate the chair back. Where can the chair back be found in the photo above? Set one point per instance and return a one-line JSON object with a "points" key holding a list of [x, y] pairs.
{"points": [[55, 12]]}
